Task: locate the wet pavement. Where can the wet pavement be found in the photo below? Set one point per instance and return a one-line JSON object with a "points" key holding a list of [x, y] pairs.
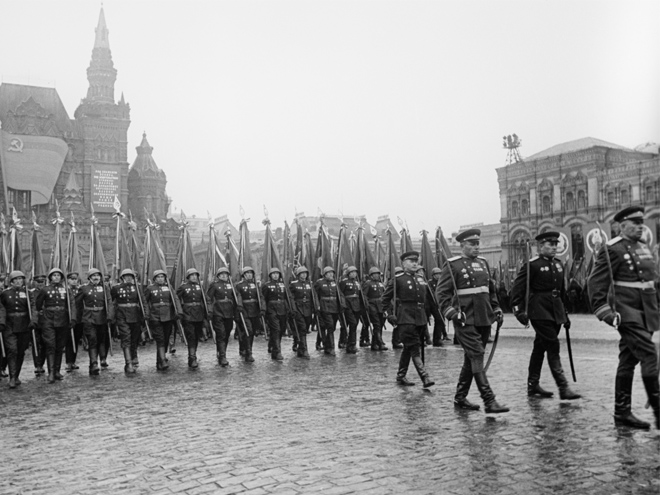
{"points": [[327, 425]]}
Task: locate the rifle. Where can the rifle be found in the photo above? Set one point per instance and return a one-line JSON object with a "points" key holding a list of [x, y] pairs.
{"points": [[146, 323], [527, 283], [263, 322], [2, 346], [317, 308], [233, 291], [617, 317], [570, 353], [365, 303], [68, 307], [178, 322], [291, 317], [34, 335], [206, 309], [107, 313]]}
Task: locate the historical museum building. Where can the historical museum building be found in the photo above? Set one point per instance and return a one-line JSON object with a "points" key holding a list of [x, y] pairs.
{"points": [[572, 186], [81, 163]]}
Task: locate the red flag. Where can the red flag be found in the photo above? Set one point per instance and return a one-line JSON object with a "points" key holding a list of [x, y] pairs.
{"points": [[364, 257], [427, 259], [323, 252], [406, 241], [37, 265], [4, 240], [185, 260], [392, 257], [232, 258], [73, 262], [15, 256], [271, 258], [344, 255], [244, 253], [287, 255], [96, 256], [57, 256]]}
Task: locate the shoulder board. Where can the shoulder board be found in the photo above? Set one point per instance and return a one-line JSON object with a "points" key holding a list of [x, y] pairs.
{"points": [[400, 274], [614, 240], [533, 259], [454, 258], [481, 258]]}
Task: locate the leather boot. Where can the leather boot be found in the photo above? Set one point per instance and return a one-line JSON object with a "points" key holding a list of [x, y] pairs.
{"points": [[421, 371], [653, 393], [222, 354], [623, 415], [50, 359], [161, 362], [192, 356], [249, 358], [93, 361], [533, 377], [134, 358], [462, 390], [302, 347], [535, 390], [128, 367], [57, 365], [11, 367], [487, 395], [381, 343], [401, 378], [396, 340], [329, 344], [565, 393]]}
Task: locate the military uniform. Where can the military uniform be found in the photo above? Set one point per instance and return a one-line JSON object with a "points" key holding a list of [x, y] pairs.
{"points": [[274, 294], [637, 300], [439, 327], [249, 294], [96, 309], [73, 338], [328, 299], [194, 313], [373, 292], [410, 317], [16, 326], [303, 309], [38, 352], [225, 308], [351, 290], [54, 304], [129, 318], [547, 313], [162, 308], [476, 300]]}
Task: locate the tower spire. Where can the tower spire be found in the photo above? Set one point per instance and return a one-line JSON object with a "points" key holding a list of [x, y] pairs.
{"points": [[101, 40], [101, 72]]}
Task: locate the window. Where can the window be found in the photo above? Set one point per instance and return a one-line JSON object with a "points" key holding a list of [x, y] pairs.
{"points": [[21, 200], [624, 196], [546, 205], [610, 198], [514, 209], [582, 199], [570, 201], [650, 194], [524, 207]]}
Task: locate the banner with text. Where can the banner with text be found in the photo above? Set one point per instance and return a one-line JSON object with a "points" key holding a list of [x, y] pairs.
{"points": [[106, 183]]}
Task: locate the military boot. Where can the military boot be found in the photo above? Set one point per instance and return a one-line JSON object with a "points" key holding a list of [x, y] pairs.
{"points": [[128, 367], [533, 377], [623, 415], [11, 365], [192, 356], [329, 344], [161, 360], [396, 340], [57, 363], [50, 360], [302, 347], [134, 357], [565, 393], [249, 341], [421, 371], [222, 354], [93, 361], [401, 378], [653, 393], [487, 395], [462, 390], [103, 356]]}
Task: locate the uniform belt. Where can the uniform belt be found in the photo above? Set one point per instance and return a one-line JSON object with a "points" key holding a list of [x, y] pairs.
{"points": [[95, 308], [56, 308], [192, 304], [326, 298], [472, 290], [374, 298], [128, 305], [160, 304], [223, 300], [250, 301], [24, 313], [636, 285], [417, 303], [553, 292], [353, 296]]}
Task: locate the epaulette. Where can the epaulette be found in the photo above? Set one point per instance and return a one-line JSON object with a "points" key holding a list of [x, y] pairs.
{"points": [[399, 274], [533, 259], [454, 258], [482, 258], [614, 240]]}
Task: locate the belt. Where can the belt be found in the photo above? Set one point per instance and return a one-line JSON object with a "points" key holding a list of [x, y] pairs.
{"points": [[473, 290], [250, 301], [160, 304], [421, 304], [649, 284], [553, 292], [354, 296], [56, 308], [374, 298], [329, 298], [128, 305], [193, 304], [95, 308], [24, 313], [224, 300]]}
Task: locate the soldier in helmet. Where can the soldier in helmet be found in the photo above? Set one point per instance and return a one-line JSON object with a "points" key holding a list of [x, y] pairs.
{"points": [[191, 295], [439, 327], [328, 297], [58, 316], [74, 338], [274, 293], [226, 306], [94, 304], [350, 289], [38, 354], [162, 309], [303, 308], [248, 291], [129, 317], [17, 320], [373, 290]]}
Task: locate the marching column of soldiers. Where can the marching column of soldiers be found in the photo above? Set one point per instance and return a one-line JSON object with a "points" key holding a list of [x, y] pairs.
{"points": [[55, 315]]}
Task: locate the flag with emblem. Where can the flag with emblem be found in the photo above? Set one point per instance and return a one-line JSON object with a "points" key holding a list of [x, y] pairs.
{"points": [[308, 259], [299, 246], [37, 264], [287, 255], [154, 257], [405, 241], [73, 260], [214, 257]]}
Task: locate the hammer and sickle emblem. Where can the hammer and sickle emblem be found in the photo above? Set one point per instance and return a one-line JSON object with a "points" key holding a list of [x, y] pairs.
{"points": [[15, 145]]}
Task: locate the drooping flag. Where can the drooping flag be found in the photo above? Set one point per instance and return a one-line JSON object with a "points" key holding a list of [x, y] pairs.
{"points": [[393, 259], [344, 255], [271, 258], [442, 249], [364, 258], [4, 241], [406, 241], [244, 252], [73, 263], [426, 256], [154, 257], [185, 259], [37, 265], [57, 256], [308, 259], [232, 258], [287, 255], [132, 261], [96, 256], [323, 252], [15, 256]]}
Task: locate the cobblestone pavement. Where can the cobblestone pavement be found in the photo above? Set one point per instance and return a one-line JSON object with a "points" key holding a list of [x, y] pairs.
{"points": [[328, 425]]}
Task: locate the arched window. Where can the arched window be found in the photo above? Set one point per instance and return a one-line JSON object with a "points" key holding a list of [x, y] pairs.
{"points": [[514, 209], [524, 207], [570, 201], [582, 199], [625, 197], [649, 194], [546, 205], [610, 198], [577, 241]]}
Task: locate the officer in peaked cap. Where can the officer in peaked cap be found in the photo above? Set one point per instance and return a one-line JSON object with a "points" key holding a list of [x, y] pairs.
{"points": [[626, 269], [476, 311], [546, 311], [403, 301]]}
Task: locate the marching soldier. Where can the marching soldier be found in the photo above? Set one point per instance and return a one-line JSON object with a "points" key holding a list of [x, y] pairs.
{"points": [[129, 317], [248, 291], [94, 304], [625, 269], [162, 308], [326, 289], [17, 322], [57, 318], [350, 288], [466, 295], [373, 290], [71, 348], [301, 291], [439, 327], [403, 301], [274, 293], [38, 353], [547, 313], [225, 309], [191, 295]]}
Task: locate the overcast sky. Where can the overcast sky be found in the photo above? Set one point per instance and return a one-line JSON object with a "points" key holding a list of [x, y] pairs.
{"points": [[364, 107]]}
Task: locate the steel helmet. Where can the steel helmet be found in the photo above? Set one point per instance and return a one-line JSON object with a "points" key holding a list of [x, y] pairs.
{"points": [[16, 274], [127, 271], [222, 269], [247, 269], [55, 270], [436, 270], [159, 272], [374, 269], [301, 269], [93, 271], [328, 269], [274, 270], [192, 271], [351, 269]]}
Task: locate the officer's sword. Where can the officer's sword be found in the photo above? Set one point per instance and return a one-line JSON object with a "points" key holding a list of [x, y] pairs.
{"points": [[34, 335], [492, 348], [2, 346], [570, 352], [68, 306], [617, 317]]}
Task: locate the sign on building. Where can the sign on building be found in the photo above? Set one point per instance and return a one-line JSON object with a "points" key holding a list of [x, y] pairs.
{"points": [[106, 184]]}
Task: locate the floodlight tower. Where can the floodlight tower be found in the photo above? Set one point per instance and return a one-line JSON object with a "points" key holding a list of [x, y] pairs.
{"points": [[512, 142]]}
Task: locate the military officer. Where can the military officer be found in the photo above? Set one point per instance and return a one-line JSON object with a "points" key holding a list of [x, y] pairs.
{"points": [[162, 308], [473, 310], [328, 298], [274, 294], [303, 308], [547, 313], [94, 305], [225, 308], [249, 293], [633, 310], [18, 316], [38, 354], [129, 317], [58, 316], [403, 301], [373, 290], [351, 291], [191, 295], [439, 327], [74, 338]]}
